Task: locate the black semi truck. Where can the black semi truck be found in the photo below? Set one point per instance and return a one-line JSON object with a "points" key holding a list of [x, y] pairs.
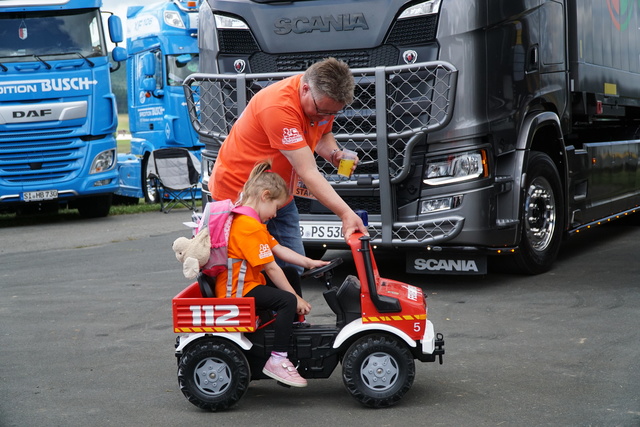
{"points": [[485, 127]]}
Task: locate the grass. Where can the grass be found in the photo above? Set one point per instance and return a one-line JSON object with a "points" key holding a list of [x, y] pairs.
{"points": [[124, 145], [123, 122]]}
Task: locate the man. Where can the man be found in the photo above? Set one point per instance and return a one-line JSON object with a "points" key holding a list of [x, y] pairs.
{"points": [[286, 122]]}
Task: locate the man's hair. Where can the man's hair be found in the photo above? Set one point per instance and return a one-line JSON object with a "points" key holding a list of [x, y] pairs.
{"points": [[331, 78]]}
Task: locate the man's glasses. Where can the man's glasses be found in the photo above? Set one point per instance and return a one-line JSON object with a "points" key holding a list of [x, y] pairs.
{"points": [[323, 112]]}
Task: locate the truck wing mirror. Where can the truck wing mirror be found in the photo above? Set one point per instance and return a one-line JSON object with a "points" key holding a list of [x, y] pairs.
{"points": [[148, 84], [183, 59], [115, 29], [119, 54], [148, 64]]}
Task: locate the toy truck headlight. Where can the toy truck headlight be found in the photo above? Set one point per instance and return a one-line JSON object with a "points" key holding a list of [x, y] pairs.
{"points": [[456, 167], [103, 161]]}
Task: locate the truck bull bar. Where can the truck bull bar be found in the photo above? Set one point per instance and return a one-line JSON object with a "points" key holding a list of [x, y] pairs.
{"points": [[393, 110]]}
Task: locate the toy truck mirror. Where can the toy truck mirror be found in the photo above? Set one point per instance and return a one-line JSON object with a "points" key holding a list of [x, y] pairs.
{"points": [[115, 29]]}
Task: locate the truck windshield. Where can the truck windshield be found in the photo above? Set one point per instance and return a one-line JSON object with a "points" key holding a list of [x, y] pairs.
{"points": [[25, 34], [179, 67]]}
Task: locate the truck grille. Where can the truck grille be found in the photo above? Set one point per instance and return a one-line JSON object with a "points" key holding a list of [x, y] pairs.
{"points": [[264, 63], [370, 204], [414, 31], [33, 161], [237, 41]]}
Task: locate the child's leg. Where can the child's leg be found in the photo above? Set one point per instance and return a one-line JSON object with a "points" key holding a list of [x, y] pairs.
{"points": [[292, 277], [294, 280], [285, 304]]}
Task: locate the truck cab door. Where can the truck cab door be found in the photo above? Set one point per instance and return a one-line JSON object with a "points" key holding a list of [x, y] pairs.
{"points": [[148, 94]]}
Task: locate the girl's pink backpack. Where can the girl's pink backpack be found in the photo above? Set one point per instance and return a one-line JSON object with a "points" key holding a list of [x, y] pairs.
{"points": [[217, 217]]}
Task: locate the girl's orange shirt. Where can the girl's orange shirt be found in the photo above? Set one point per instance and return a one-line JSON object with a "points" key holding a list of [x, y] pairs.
{"points": [[249, 241]]}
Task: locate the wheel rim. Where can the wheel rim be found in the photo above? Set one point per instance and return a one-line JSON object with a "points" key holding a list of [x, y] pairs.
{"points": [[150, 185], [540, 215], [212, 376], [379, 371]]}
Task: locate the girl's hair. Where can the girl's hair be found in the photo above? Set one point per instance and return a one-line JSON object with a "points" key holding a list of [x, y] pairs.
{"points": [[263, 178]]}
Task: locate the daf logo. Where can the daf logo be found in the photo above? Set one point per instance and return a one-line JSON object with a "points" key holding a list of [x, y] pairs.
{"points": [[239, 65], [410, 56], [31, 113]]}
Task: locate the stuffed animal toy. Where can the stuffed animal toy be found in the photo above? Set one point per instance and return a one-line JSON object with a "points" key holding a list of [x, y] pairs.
{"points": [[193, 253]]}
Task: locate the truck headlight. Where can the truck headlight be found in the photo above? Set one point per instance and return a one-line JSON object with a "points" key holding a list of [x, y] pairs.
{"points": [[103, 161], [425, 8], [456, 167], [173, 19], [229, 23]]}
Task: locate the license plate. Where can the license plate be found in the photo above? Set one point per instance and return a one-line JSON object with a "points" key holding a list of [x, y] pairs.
{"points": [[321, 231], [36, 196]]}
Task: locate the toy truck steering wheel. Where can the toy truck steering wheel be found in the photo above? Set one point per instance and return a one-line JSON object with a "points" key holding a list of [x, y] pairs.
{"points": [[318, 272]]}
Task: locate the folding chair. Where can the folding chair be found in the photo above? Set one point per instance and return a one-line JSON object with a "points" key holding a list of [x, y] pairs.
{"points": [[176, 177]]}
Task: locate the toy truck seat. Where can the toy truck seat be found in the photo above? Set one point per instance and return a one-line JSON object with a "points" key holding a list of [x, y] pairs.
{"points": [[345, 301]]}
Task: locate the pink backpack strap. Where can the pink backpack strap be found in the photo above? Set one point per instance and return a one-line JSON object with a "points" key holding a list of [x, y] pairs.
{"points": [[246, 210]]}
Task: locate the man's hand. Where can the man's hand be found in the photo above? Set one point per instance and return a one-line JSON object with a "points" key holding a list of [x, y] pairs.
{"points": [[352, 223]]}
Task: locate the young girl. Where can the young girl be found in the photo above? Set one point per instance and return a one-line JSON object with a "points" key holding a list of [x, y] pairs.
{"points": [[251, 249]]}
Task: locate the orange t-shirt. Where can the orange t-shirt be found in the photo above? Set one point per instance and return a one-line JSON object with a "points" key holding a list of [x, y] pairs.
{"points": [[250, 242], [273, 121]]}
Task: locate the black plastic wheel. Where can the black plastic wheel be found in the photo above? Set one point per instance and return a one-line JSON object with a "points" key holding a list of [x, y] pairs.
{"points": [[378, 370], [213, 374], [542, 216]]}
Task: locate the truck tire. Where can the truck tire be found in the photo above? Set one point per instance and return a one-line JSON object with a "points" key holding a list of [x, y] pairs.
{"points": [[377, 370], [148, 184], [542, 216], [94, 207], [213, 374]]}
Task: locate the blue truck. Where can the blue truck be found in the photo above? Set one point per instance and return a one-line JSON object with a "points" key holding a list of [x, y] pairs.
{"points": [[162, 52], [57, 110]]}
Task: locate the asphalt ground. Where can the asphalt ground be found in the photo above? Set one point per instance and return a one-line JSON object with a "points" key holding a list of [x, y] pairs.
{"points": [[85, 309]]}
